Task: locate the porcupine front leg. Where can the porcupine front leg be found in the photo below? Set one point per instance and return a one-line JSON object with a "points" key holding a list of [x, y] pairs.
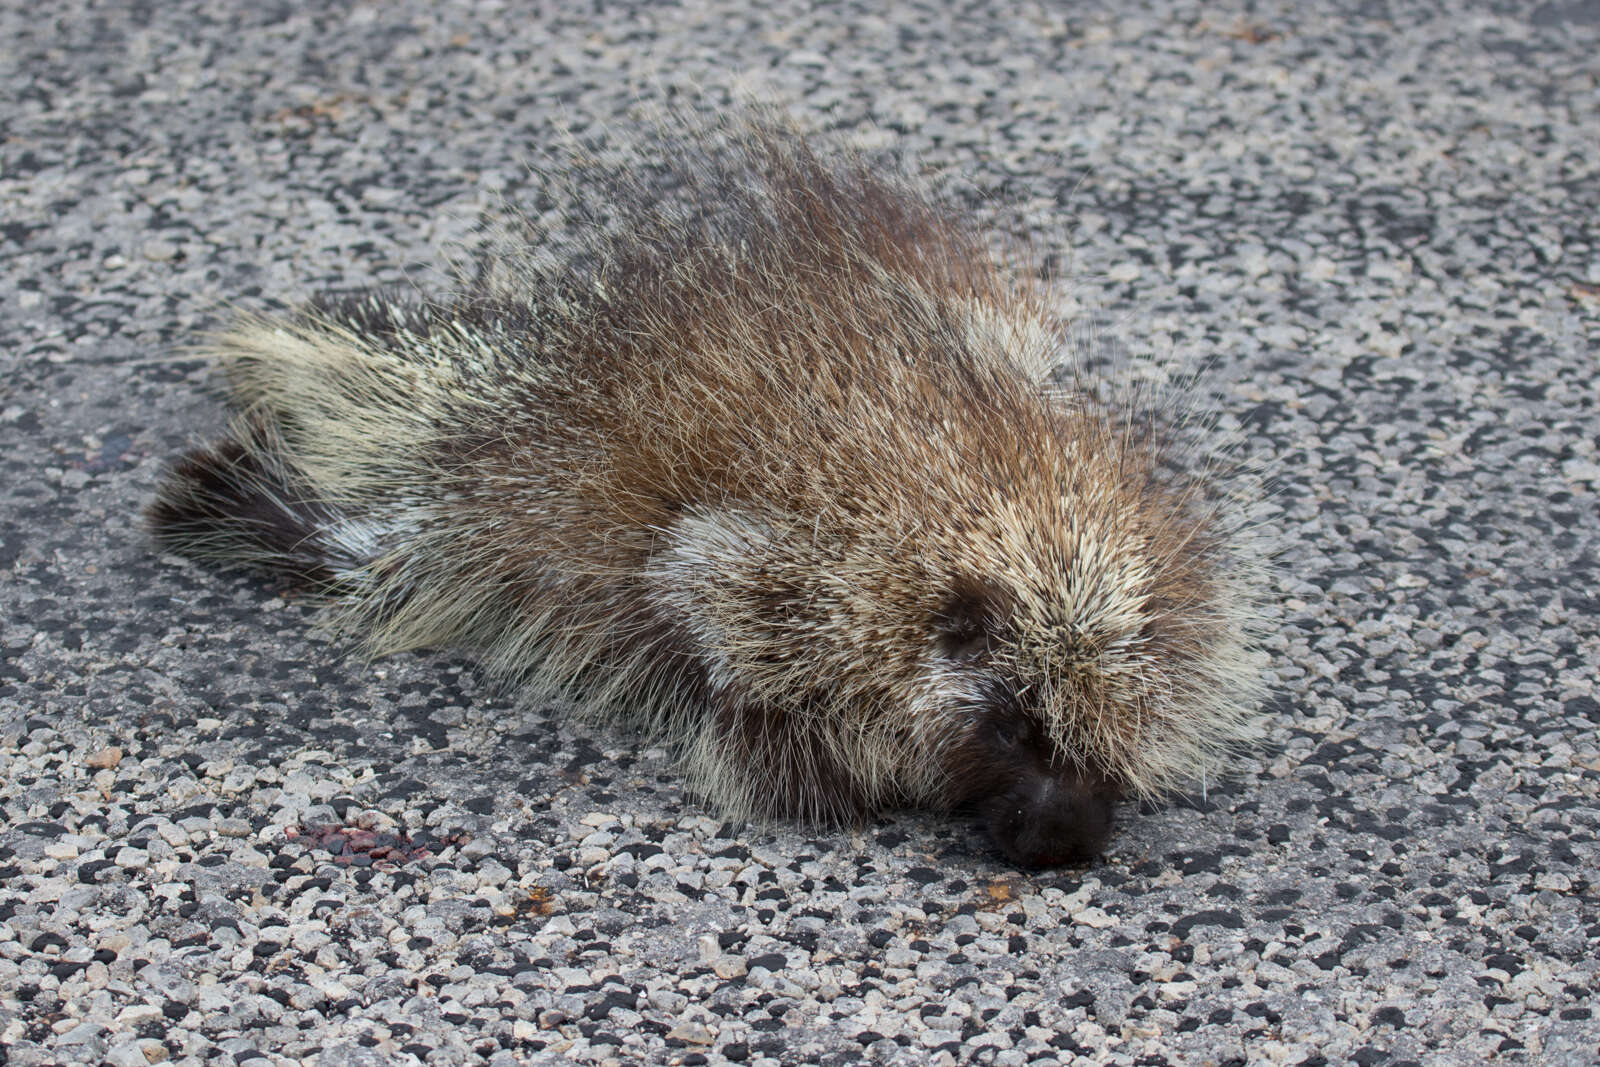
{"points": [[766, 740], [775, 763]]}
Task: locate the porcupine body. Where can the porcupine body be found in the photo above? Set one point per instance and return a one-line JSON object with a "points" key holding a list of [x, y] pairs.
{"points": [[783, 470]]}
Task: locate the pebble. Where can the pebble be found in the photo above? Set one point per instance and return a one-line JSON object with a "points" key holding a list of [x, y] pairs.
{"points": [[105, 758], [692, 1033], [137, 1053]]}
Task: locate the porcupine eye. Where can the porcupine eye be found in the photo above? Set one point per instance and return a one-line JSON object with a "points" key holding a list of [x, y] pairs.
{"points": [[1007, 733], [970, 621]]}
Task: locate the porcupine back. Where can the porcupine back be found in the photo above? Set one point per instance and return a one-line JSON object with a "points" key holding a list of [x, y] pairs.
{"points": [[777, 466]]}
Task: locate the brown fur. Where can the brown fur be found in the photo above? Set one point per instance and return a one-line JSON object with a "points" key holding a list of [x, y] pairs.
{"points": [[781, 470]]}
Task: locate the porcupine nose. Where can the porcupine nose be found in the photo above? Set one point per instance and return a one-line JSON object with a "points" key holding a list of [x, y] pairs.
{"points": [[1049, 821]]}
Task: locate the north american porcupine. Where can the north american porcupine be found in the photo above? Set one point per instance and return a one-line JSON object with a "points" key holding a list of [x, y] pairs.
{"points": [[783, 467]]}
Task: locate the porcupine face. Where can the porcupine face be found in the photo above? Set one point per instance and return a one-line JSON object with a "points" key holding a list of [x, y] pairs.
{"points": [[1040, 805], [1034, 639], [1097, 662], [1092, 663]]}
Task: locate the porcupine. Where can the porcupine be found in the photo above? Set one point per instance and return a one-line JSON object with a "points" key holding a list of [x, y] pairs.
{"points": [[782, 466]]}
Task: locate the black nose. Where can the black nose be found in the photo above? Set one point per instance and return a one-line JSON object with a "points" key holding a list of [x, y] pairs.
{"points": [[1046, 822]]}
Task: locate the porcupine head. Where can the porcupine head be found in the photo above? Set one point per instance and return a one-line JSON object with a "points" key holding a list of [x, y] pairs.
{"points": [[783, 468]]}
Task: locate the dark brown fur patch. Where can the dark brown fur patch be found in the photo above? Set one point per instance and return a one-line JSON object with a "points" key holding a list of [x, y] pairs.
{"points": [[231, 503]]}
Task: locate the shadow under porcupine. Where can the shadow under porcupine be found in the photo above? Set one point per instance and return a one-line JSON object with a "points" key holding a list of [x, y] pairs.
{"points": [[783, 468]]}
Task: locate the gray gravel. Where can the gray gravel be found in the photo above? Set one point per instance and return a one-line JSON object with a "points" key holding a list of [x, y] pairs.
{"points": [[221, 840]]}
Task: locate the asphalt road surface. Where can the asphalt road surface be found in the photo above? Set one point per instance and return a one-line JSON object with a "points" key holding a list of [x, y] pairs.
{"points": [[1376, 224]]}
